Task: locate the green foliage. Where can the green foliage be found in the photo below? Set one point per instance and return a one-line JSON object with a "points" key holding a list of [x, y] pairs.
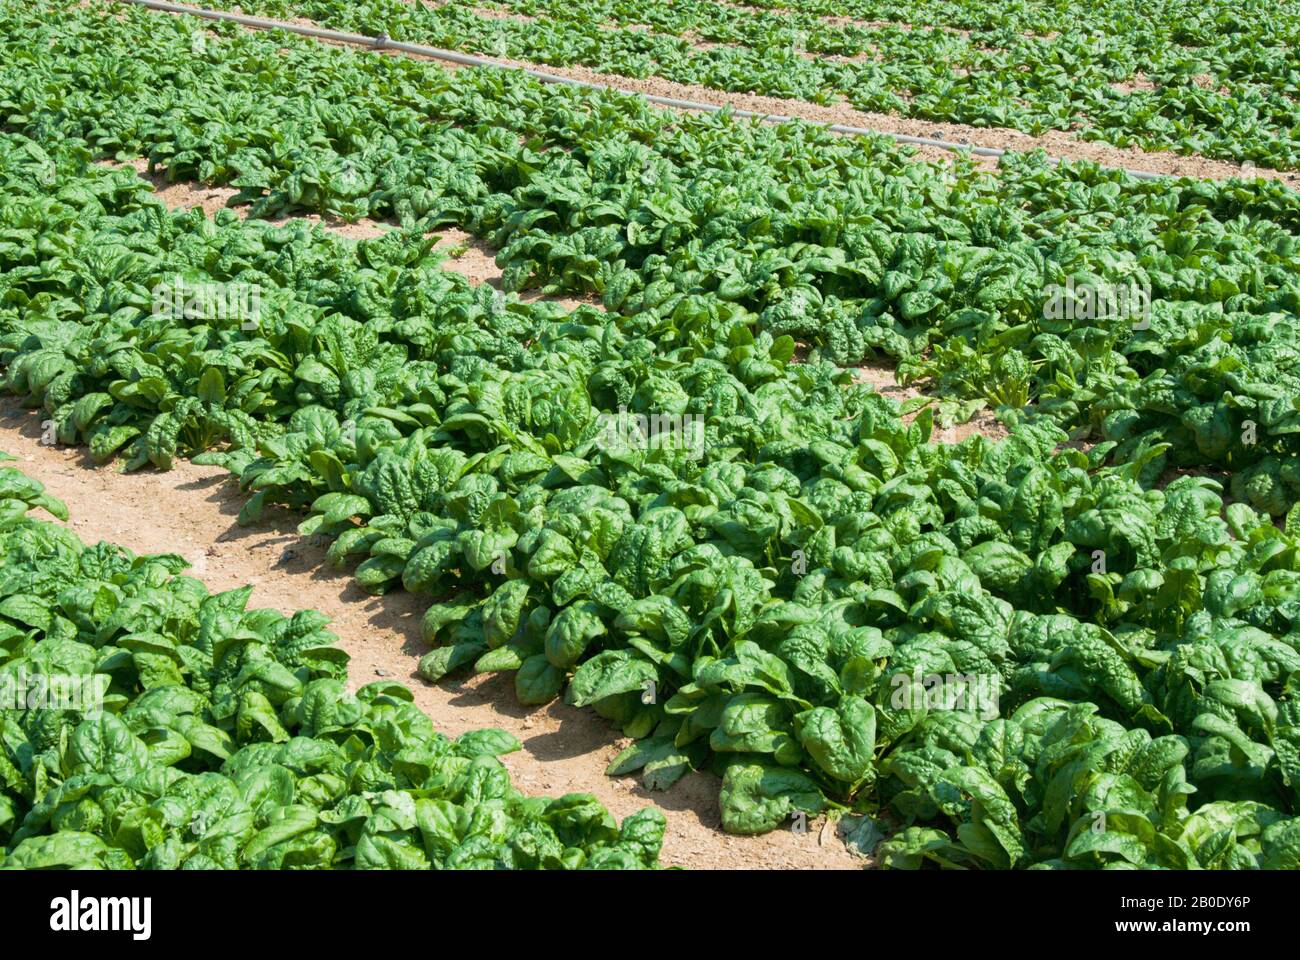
{"points": [[150, 724], [1217, 78], [1121, 641]]}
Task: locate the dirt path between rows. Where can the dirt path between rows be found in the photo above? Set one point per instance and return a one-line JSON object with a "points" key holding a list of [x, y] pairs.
{"points": [[191, 510]]}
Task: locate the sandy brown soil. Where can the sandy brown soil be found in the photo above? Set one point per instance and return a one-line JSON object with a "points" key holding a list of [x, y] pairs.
{"points": [[983, 424], [866, 56], [1137, 82], [493, 13], [191, 510], [181, 195], [478, 265], [841, 21], [881, 377]]}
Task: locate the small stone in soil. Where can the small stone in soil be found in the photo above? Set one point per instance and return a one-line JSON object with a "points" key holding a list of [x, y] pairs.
{"points": [[381, 672]]}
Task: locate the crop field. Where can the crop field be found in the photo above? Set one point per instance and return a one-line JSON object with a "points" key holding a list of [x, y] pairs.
{"points": [[684, 489], [1220, 80]]}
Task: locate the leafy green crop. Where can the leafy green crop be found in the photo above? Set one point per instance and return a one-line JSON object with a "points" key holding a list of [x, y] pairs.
{"points": [[844, 247], [147, 723], [1217, 78], [1026, 652]]}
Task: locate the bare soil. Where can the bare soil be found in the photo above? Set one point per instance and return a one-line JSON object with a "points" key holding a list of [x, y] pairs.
{"points": [[477, 264], [492, 13], [882, 378], [841, 21], [1135, 83]]}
